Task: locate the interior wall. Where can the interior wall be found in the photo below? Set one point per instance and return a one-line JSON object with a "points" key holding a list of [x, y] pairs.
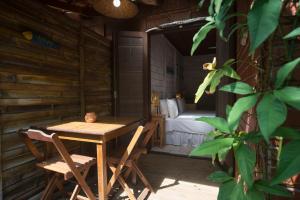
{"points": [[193, 75], [41, 85], [165, 64]]}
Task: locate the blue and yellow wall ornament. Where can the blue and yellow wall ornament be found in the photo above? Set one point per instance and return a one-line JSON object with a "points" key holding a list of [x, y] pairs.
{"points": [[40, 40]]}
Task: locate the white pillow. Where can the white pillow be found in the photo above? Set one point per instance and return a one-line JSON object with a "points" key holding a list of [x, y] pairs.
{"points": [[172, 107], [164, 107], [181, 105]]}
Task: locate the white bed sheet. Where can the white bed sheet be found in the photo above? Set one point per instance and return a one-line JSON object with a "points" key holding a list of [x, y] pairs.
{"points": [[186, 123]]}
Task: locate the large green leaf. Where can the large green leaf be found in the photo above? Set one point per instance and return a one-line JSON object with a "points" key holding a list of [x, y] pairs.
{"points": [[271, 113], [263, 19], [217, 122], [204, 85], [201, 35], [238, 192], [226, 190], [216, 81], [212, 147], [217, 4], [223, 153], [246, 160], [289, 95], [228, 110], [238, 88], [241, 106], [254, 194], [219, 177], [277, 190], [229, 62], [228, 71], [287, 133], [253, 138], [289, 162], [285, 71], [293, 34], [220, 16]]}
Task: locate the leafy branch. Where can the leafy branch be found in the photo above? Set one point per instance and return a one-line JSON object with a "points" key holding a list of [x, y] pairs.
{"points": [[270, 101]]}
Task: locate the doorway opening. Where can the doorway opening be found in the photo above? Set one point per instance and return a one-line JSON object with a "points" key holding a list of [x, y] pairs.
{"points": [[175, 77]]}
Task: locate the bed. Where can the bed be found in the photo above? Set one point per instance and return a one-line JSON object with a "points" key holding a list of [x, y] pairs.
{"points": [[184, 130]]}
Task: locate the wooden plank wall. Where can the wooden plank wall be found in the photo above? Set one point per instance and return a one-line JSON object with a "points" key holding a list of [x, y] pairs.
{"points": [[41, 85], [163, 55]]}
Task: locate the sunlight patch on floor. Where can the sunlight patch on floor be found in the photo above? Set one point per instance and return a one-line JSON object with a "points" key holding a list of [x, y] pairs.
{"points": [[181, 190]]}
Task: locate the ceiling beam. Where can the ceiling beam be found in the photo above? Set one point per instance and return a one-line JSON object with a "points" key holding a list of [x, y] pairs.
{"points": [[150, 2], [88, 11]]}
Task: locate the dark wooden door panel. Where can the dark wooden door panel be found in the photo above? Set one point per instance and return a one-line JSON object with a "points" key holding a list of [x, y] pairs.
{"points": [[132, 74]]}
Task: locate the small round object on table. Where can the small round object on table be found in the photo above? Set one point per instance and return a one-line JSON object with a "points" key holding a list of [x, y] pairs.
{"points": [[90, 117]]}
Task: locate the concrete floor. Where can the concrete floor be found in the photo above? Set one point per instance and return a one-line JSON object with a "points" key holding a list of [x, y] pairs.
{"points": [[176, 178], [172, 178]]}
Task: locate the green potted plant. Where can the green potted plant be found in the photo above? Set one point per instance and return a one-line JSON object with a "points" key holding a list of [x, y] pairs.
{"points": [[268, 100]]}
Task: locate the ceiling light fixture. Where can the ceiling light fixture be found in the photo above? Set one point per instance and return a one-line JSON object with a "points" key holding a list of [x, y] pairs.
{"points": [[117, 3]]}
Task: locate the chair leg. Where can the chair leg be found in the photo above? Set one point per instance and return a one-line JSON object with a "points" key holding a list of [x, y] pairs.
{"points": [[133, 177], [128, 172], [126, 188], [60, 186], [77, 187], [49, 188], [142, 177], [122, 182], [144, 194]]}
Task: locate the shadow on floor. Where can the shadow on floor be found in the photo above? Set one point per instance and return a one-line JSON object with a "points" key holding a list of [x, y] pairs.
{"points": [[172, 177]]}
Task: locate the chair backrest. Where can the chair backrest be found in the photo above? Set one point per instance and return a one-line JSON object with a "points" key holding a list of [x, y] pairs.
{"points": [[149, 130], [139, 141], [39, 135], [29, 135]]}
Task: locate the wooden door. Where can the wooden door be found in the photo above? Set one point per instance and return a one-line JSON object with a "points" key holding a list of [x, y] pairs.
{"points": [[132, 74]]}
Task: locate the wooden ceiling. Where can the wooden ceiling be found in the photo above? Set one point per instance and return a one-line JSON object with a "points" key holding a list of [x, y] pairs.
{"points": [[182, 39], [85, 7]]}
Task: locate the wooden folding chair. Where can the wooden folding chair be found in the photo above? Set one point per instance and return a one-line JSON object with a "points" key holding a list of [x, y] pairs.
{"points": [[126, 164], [64, 166]]}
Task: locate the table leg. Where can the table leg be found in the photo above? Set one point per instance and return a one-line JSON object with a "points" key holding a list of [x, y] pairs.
{"points": [[102, 171]]}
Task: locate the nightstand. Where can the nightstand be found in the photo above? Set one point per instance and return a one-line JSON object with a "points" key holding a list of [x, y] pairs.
{"points": [[160, 135]]}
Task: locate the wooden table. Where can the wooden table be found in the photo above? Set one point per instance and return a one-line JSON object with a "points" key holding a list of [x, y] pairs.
{"points": [[99, 133]]}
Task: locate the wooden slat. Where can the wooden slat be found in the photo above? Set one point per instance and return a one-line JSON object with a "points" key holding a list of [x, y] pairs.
{"points": [[32, 66], [28, 87], [35, 79]]}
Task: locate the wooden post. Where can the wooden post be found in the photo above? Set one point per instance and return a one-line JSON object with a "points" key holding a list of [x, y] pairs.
{"points": [[83, 146], [1, 181], [82, 71]]}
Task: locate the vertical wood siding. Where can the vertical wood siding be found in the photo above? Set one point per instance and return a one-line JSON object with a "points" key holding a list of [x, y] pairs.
{"points": [[164, 55], [41, 85]]}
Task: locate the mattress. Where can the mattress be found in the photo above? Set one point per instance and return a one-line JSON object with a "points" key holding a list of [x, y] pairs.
{"points": [[186, 122], [186, 131]]}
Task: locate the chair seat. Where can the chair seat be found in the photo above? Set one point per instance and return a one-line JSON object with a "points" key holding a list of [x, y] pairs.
{"points": [[59, 166]]}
